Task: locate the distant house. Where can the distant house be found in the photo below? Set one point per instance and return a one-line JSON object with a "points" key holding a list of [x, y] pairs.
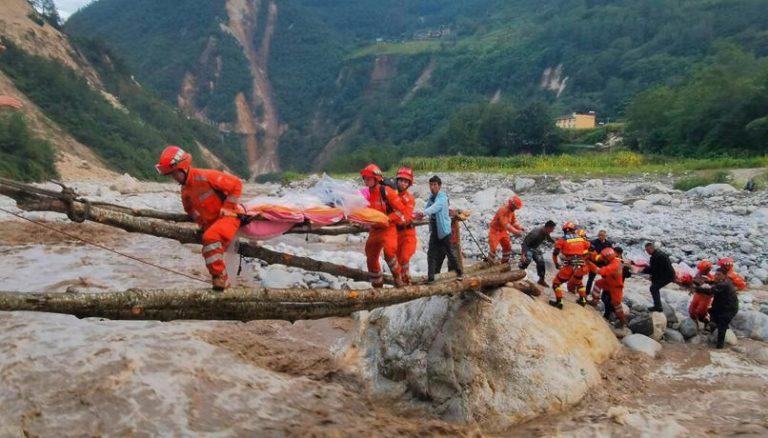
{"points": [[576, 121]]}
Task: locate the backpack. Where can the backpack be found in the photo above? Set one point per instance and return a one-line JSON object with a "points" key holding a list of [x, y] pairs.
{"points": [[392, 184]]}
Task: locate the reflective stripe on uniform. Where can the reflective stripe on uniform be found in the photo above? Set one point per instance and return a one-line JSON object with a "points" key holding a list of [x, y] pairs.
{"points": [[212, 246], [205, 195], [200, 178], [214, 258]]}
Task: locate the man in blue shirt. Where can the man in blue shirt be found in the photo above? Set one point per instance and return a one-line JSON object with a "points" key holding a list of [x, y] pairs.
{"points": [[439, 232]]}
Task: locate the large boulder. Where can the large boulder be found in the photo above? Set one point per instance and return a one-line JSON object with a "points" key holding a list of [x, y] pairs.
{"points": [[642, 344], [760, 216], [598, 208], [673, 336], [751, 323], [642, 324], [730, 337], [659, 325], [467, 360], [711, 190]]}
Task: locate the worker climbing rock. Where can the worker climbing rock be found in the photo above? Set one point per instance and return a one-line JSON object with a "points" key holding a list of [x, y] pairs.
{"points": [[406, 233], [727, 264], [503, 223], [573, 250], [698, 310], [211, 198], [611, 282], [385, 200], [725, 302], [598, 245]]}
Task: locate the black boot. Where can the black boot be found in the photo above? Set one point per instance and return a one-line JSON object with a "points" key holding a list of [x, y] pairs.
{"points": [[557, 303]]}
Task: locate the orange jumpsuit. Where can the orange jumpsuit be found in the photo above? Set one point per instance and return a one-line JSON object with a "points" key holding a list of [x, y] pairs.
{"points": [[502, 223], [574, 250], [384, 238], [736, 279], [612, 282], [205, 195], [406, 237], [698, 310]]}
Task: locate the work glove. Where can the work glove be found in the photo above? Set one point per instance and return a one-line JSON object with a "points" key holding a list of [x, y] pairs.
{"points": [[418, 215]]}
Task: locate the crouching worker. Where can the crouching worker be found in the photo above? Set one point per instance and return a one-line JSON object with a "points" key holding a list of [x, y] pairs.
{"points": [[611, 283], [211, 198], [725, 303], [698, 310]]}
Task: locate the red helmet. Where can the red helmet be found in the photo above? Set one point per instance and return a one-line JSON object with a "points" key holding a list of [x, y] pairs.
{"points": [[405, 173], [704, 266], [173, 158], [569, 226], [581, 232], [516, 202], [372, 171], [608, 253], [726, 263]]}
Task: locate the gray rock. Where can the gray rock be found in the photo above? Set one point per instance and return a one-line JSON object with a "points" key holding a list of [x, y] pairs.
{"points": [[688, 328], [669, 313], [642, 324], [598, 208], [751, 323], [760, 273], [593, 183], [696, 340], [711, 191], [524, 184], [559, 204], [279, 278], [642, 204], [642, 344], [746, 247], [760, 216], [673, 336], [659, 199]]}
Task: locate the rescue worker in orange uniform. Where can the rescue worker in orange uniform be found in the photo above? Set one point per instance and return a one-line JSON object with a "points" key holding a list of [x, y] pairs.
{"points": [[503, 223], [211, 198], [386, 200], [574, 251], [698, 310], [727, 264], [612, 282], [406, 233]]}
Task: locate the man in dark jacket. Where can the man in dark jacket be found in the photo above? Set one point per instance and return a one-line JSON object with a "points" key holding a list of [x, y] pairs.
{"points": [[531, 250], [725, 304], [598, 245], [662, 273]]}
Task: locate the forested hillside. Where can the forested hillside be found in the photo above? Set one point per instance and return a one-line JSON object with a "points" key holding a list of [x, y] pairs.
{"points": [[383, 79]]}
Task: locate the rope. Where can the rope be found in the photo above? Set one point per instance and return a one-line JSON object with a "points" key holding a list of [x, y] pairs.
{"points": [[98, 245]]}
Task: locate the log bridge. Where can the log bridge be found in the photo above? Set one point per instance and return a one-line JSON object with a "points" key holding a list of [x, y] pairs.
{"points": [[241, 303]]}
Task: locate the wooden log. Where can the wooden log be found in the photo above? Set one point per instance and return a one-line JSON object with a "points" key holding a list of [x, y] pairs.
{"points": [[242, 304], [33, 199]]}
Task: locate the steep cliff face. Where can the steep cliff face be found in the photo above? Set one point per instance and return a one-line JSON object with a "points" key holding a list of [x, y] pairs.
{"points": [[257, 114]]}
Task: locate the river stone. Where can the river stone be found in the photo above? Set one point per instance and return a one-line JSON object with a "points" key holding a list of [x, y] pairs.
{"points": [[673, 336], [642, 324], [641, 204], [659, 325], [751, 323], [759, 354], [468, 361], [593, 183], [760, 216], [524, 184], [642, 344], [559, 204], [598, 208], [730, 337], [688, 328], [711, 191]]}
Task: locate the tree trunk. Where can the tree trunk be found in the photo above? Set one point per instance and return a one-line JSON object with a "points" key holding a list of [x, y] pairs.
{"points": [[242, 304], [31, 198]]}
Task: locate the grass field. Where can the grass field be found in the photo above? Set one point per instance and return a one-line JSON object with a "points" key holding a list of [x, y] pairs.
{"points": [[591, 163], [406, 48]]}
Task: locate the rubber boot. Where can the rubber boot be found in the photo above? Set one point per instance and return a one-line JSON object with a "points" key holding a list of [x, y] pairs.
{"points": [[398, 280], [542, 282], [220, 282], [406, 277], [581, 301], [557, 303]]}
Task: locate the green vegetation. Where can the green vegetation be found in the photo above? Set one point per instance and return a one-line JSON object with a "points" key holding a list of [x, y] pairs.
{"points": [[722, 107], [323, 55], [128, 140], [406, 48], [593, 163], [702, 179], [23, 156]]}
